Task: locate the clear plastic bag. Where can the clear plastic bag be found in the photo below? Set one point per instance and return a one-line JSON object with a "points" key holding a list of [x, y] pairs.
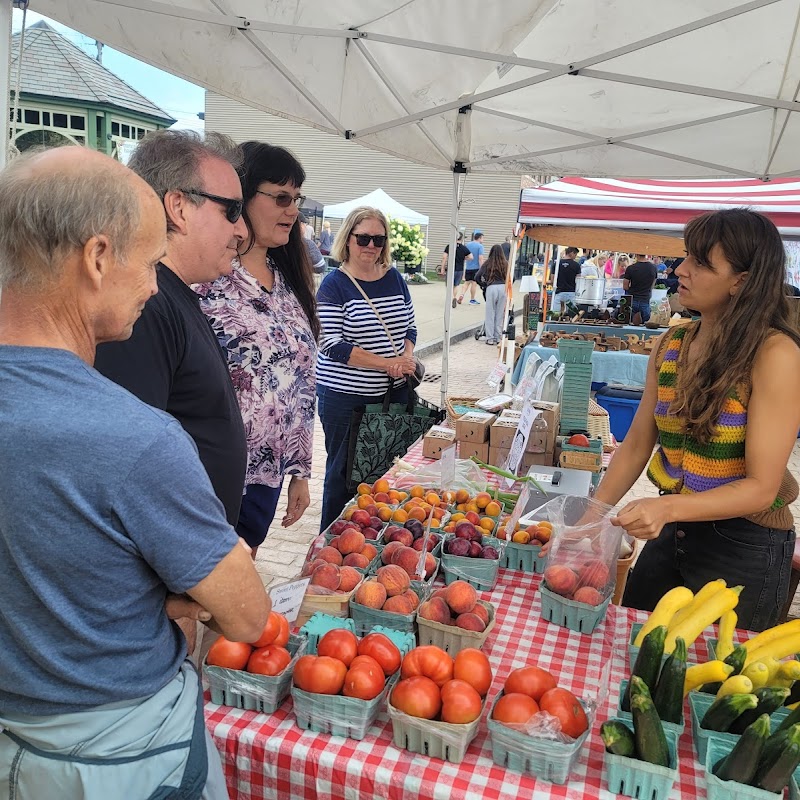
{"points": [[585, 546], [468, 476]]}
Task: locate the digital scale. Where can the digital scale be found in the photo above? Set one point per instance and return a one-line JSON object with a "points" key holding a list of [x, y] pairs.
{"points": [[555, 481]]}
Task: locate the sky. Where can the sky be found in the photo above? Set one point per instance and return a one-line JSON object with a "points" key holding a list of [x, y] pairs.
{"points": [[179, 98]]}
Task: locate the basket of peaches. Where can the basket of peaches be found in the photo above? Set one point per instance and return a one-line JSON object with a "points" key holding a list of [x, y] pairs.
{"points": [[524, 544]]}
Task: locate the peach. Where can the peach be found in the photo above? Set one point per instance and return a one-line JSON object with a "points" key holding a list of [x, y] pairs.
{"points": [[408, 559], [330, 554], [381, 485], [394, 578], [349, 579], [492, 509], [544, 534], [399, 604], [381, 497], [417, 491], [594, 574], [389, 550], [588, 595], [470, 622], [430, 565], [355, 560], [372, 510], [435, 610], [371, 594], [326, 576], [351, 541], [361, 518], [482, 499], [473, 517], [363, 488], [462, 495], [440, 592], [521, 537], [402, 535], [310, 566], [369, 551], [482, 612], [461, 597], [560, 579], [384, 513], [412, 598]]}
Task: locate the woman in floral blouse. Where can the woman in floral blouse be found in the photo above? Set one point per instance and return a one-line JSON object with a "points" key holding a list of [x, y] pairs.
{"points": [[264, 315]]}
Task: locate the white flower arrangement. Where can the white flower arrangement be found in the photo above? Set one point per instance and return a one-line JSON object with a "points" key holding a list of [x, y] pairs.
{"points": [[407, 242]]}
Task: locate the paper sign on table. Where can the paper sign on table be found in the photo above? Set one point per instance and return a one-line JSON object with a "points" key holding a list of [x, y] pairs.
{"points": [[448, 462], [524, 496], [497, 374], [288, 597], [529, 414]]}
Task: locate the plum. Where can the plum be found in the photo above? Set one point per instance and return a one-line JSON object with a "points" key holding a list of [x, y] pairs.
{"points": [[375, 523], [370, 533], [475, 550], [416, 528], [458, 547], [490, 552], [465, 530]]}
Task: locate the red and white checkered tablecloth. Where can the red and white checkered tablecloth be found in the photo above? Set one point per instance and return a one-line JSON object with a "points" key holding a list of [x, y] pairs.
{"points": [[270, 757]]}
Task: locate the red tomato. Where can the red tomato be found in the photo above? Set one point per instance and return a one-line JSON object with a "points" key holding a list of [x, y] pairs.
{"points": [[564, 705], [282, 639], [319, 674], [472, 666], [532, 681], [365, 661], [269, 660], [515, 708], [232, 655], [383, 650], [271, 630], [417, 696], [339, 643], [365, 680], [430, 661], [461, 704], [579, 440]]}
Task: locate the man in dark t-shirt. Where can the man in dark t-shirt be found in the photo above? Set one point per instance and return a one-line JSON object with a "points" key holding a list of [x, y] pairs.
{"points": [[568, 270], [638, 281], [173, 360], [462, 255]]}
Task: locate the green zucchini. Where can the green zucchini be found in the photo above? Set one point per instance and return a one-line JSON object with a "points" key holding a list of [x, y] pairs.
{"points": [[777, 764], [618, 738], [792, 719], [741, 763], [725, 710], [736, 660], [648, 662], [648, 730], [668, 696], [770, 698]]}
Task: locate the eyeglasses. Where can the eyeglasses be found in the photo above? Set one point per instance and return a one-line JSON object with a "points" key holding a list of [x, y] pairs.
{"points": [[363, 239], [233, 207], [284, 199]]}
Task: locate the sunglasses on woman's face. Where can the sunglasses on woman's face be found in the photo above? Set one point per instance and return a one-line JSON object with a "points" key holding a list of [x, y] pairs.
{"points": [[363, 239], [284, 199]]}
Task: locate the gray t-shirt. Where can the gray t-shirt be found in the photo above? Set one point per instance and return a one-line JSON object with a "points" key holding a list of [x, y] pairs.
{"points": [[104, 509]]}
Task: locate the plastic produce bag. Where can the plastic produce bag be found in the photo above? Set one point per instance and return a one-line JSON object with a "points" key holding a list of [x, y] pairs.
{"points": [[585, 546], [468, 476]]}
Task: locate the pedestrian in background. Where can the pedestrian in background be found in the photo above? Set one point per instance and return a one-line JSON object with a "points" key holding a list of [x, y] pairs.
{"points": [[463, 256], [492, 278], [475, 247]]}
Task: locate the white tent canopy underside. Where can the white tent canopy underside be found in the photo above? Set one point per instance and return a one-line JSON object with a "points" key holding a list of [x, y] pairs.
{"points": [[633, 88], [380, 200]]}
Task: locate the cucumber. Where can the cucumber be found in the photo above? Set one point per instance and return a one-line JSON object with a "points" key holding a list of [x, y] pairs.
{"points": [[725, 710], [792, 719], [668, 696], [777, 765], [648, 732], [648, 662], [741, 763], [736, 660], [770, 698], [618, 738]]}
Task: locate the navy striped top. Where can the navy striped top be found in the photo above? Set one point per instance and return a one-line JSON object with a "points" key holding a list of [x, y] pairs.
{"points": [[348, 321]]}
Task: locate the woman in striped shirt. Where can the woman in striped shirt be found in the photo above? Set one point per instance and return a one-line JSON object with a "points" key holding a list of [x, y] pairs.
{"points": [[357, 362]]}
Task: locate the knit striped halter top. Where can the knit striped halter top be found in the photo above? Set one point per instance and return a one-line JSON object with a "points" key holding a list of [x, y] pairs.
{"points": [[681, 464]]}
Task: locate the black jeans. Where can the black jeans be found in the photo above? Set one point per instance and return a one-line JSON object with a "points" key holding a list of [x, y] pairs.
{"points": [[694, 553]]}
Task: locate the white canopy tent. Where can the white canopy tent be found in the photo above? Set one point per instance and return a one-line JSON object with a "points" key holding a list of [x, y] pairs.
{"points": [[556, 87], [380, 200]]}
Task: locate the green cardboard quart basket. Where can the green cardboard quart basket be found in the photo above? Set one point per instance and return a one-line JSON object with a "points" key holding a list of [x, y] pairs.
{"points": [[640, 779]]}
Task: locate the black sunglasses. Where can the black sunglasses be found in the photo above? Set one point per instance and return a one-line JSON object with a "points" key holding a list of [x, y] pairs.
{"points": [[233, 207], [284, 199], [363, 239]]}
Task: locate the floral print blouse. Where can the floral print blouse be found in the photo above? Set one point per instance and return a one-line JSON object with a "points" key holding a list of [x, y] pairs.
{"points": [[271, 355]]}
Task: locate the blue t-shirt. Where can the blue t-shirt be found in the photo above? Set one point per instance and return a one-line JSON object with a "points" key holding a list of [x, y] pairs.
{"points": [[104, 509], [476, 248]]}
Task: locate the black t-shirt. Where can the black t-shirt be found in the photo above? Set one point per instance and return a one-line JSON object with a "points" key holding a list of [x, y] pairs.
{"points": [[174, 362], [461, 253], [642, 275], [568, 270]]}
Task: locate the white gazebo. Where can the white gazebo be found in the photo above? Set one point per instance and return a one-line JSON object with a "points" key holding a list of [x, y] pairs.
{"points": [[380, 200]]}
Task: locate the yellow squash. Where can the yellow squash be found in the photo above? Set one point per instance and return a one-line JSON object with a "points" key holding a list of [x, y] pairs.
{"points": [[778, 648], [725, 645], [736, 684], [696, 622], [787, 673], [771, 634], [710, 672], [758, 672], [705, 594], [674, 600]]}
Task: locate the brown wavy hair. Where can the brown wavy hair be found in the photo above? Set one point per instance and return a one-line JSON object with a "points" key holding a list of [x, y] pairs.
{"points": [[496, 266], [751, 243]]}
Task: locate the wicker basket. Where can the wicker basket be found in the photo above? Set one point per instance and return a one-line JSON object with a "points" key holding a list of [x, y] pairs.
{"points": [[599, 425], [458, 406]]}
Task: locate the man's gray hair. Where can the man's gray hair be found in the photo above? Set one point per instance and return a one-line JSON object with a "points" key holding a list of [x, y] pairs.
{"points": [[45, 216], [170, 160]]}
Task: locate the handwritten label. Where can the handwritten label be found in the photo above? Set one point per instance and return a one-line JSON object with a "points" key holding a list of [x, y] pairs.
{"points": [[497, 374], [288, 597], [448, 462], [529, 414], [524, 496]]}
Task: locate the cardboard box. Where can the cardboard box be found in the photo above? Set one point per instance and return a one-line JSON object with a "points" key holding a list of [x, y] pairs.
{"points": [[535, 460], [502, 432], [498, 456], [509, 413], [474, 426], [478, 449], [550, 413], [437, 438]]}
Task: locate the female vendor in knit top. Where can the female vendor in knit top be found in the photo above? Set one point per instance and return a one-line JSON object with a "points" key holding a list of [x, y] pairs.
{"points": [[721, 403]]}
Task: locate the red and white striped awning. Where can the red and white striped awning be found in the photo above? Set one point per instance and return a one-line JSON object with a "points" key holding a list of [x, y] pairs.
{"points": [[657, 205]]}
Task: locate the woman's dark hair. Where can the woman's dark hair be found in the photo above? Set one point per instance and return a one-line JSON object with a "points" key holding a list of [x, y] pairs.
{"points": [[751, 243], [267, 163], [496, 266]]}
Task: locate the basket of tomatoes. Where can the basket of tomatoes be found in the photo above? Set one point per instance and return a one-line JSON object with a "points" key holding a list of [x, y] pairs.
{"points": [[525, 740], [258, 676], [341, 689], [436, 706]]}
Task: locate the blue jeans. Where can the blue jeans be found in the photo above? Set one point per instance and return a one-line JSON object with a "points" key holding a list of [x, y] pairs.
{"points": [[258, 510], [562, 298], [643, 307], [335, 411], [694, 553]]}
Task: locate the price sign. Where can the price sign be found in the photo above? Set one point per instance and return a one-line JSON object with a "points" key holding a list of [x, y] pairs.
{"points": [[497, 375], [524, 496], [288, 597], [448, 462], [529, 414]]}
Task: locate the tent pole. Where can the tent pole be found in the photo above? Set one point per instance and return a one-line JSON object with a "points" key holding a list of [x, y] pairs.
{"points": [[6, 12], [451, 274]]}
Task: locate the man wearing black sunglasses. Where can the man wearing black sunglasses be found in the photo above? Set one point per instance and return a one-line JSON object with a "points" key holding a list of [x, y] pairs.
{"points": [[173, 360]]}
